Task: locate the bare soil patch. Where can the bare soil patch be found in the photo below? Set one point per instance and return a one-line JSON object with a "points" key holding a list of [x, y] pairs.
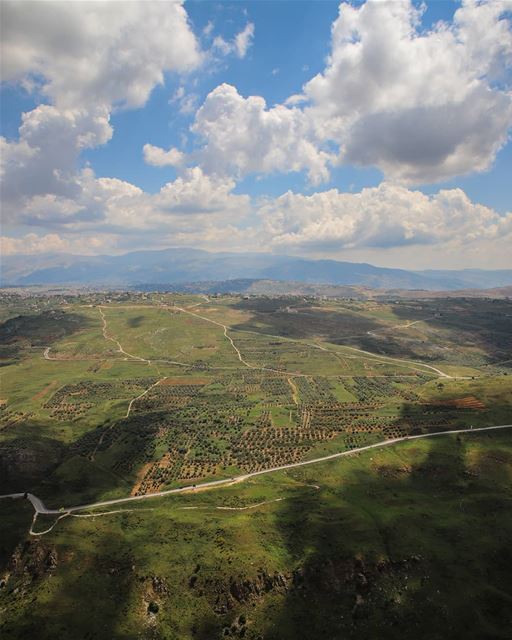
{"points": [[44, 391]]}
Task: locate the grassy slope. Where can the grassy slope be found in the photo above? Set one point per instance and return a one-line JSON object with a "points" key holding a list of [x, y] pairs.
{"points": [[412, 540]]}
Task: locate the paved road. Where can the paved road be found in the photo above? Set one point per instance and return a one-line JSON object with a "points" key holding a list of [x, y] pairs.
{"points": [[40, 508]]}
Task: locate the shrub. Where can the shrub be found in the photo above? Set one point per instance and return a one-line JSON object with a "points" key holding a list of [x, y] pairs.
{"points": [[153, 607]]}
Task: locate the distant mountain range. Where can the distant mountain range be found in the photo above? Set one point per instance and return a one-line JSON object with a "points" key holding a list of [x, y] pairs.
{"points": [[179, 266]]}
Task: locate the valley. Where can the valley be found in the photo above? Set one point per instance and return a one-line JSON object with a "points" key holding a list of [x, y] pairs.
{"points": [[197, 420]]}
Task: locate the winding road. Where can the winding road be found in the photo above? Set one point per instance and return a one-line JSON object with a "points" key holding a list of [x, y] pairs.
{"points": [[384, 359], [41, 509], [116, 342], [237, 350], [408, 364]]}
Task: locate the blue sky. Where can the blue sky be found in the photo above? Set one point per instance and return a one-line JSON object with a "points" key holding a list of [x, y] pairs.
{"points": [[273, 68], [395, 153]]}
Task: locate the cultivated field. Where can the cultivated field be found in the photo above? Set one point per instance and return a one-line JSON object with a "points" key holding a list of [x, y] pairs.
{"points": [[111, 396]]}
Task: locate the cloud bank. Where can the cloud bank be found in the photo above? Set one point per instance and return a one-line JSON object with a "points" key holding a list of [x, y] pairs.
{"points": [[421, 105]]}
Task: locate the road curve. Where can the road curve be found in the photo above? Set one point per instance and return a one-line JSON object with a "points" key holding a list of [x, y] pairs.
{"points": [[40, 508]]}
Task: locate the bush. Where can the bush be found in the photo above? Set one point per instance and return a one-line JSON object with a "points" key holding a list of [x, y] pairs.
{"points": [[153, 607]]}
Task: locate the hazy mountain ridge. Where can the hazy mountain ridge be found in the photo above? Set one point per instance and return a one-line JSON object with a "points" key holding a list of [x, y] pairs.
{"points": [[175, 266]]}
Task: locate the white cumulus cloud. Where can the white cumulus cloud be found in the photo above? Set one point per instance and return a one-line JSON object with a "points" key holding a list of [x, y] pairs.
{"points": [[241, 135], [159, 157], [87, 59], [384, 216], [90, 53], [422, 105], [43, 160], [193, 203]]}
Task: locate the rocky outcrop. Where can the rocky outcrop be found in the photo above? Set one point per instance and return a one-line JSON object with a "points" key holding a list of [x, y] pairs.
{"points": [[350, 577], [159, 585], [244, 590], [240, 590], [31, 560]]}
